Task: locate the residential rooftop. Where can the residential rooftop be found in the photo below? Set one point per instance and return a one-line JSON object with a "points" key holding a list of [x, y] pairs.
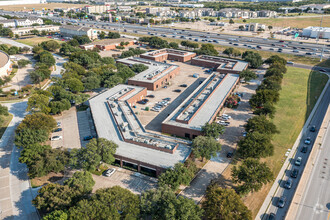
{"points": [[174, 52], [156, 70], [201, 106], [75, 27], [115, 120]]}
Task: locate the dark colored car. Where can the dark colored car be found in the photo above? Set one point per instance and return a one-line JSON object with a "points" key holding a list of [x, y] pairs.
{"points": [[313, 128], [294, 173], [150, 96], [183, 85], [87, 138], [281, 202], [259, 47], [58, 130], [304, 149], [288, 183], [308, 53], [271, 216], [177, 90], [230, 155], [273, 45]]}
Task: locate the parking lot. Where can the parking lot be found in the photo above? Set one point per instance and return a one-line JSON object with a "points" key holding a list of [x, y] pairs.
{"points": [[85, 126], [151, 119], [135, 182], [69, 134]]}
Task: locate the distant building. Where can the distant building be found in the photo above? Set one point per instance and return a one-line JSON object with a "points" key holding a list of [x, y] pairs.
{"points": [[97, 8], [71, 31], [168, 54], [28, 30], [21, 2], [26, 22], [316, 32], [255, 27]]}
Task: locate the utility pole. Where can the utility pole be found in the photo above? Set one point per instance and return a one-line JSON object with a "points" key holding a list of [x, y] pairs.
{"points": [[318, 38]]}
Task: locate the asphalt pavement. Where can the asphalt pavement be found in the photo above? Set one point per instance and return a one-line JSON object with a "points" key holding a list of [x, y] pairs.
{"points": [[279, 191]]}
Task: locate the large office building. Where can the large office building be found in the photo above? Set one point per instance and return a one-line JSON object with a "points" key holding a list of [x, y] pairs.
{"points": [[220, 64], [169, 54], [71, 31], [201, 107], [115, 120], [156, 76]]}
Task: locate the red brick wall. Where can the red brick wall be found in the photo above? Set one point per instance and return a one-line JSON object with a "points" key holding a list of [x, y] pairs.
{"points": [[179, 131], [139, 96]]}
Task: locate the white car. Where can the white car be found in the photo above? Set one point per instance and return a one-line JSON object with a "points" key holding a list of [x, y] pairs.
{"points": [[308, 141], [226, 116], [109, 172], [298, 161], [56, 138]]}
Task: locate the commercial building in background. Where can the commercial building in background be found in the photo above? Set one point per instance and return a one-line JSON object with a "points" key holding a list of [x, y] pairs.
{"points": [[156, 76], [5, 64], [115, 120], [220, 64], [316, 32], [201, 107], [169, 54], [97, 8], [28, 30], [71, 31], [108, 44]]}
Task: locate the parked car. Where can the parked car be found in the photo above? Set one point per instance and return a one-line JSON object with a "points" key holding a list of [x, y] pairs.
{"points": [[298, 161], [288, 183], [87, 138], [109, 172], [56, 138], [57, 130], [281, 202], [313, 128], [167, 99], [294, 173], [304, 149], [177, 90], [150, 96], [308, 141], [183, 85]]}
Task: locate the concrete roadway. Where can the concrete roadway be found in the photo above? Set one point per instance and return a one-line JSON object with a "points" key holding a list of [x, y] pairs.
{"points": [[316, 199], [289, 193]]}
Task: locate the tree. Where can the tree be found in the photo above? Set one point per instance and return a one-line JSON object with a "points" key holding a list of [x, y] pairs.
{"points": [[254, 59], [113, 35], [113, 81], [270, 27], [102, 35], [4, 110], [260, 124], [213, 130], [231, 21], [46, 58], [268, 109], [247, 75], [81, 181], [241, 27], [255, 145], [162, 203], [91, 82], [22, 63], [173, 45], [57, 107], [244, 20], [56, 215], [82, 39], [75, 85], [263, 96], [228, 51], [207, 49], [96, 150], [50, 45], [251, 175], [37, 121], [138, 68], [205, 147], [275, 59], [224, 204], [38, 103], [27, 137], [179, 175]]}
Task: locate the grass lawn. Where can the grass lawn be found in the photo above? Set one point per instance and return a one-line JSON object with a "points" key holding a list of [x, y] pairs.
{"points": [[35, 40], [294, 22], [325, 63], [5, 123], [300, 88]]}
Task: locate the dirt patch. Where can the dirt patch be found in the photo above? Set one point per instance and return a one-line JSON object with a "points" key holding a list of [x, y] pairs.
{"points": [[50, 178]]}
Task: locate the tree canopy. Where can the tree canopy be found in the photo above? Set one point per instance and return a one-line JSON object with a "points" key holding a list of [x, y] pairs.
{"points": [[255, 145], [205, 147], [260, 124], [213, 130]]}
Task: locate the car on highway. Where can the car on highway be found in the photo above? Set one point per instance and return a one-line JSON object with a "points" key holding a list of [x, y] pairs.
{"points": [[294, 173], [288, 183], [295, 51], [298, 161], [271, 216], [259, 47], [56, 138], [281, 202], [290, 62], [308, 53], [322, 70], [313, 128], [109, 172], [87, 138], [304, 149], [308, 141]]}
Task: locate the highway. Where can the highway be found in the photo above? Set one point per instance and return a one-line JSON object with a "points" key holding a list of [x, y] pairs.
{"points": [[288, 47], [289, 193]]}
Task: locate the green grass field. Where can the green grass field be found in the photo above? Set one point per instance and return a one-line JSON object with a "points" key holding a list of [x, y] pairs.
{"points": [[300, 90], [35, 40]]}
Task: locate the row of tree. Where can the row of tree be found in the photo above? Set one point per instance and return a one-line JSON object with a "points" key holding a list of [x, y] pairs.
{"points": [[252, 174]]}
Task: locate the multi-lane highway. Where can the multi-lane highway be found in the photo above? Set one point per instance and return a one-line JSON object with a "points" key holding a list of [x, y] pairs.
{"points": [[289, 47], [280, 212], [315, 203]]}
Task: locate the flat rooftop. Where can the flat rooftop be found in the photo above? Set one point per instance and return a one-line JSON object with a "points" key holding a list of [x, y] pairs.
{"points": [[161, 52], [156, 70], [115, 120], [224, 63], [203, 103]]}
